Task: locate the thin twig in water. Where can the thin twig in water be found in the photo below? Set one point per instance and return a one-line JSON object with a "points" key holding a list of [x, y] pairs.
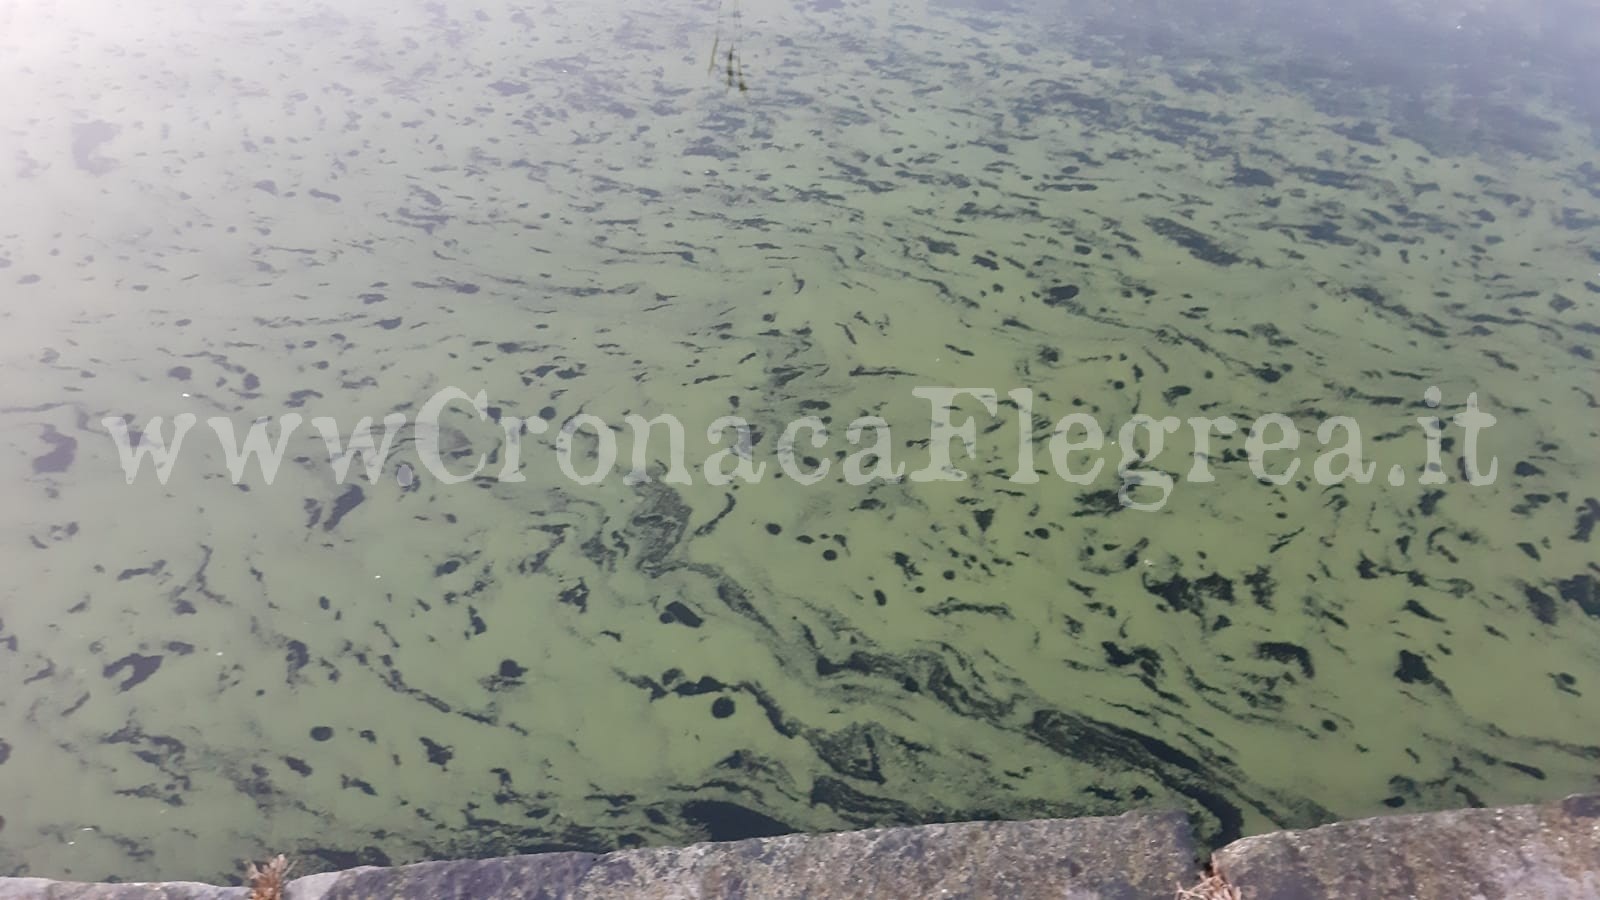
{"points": [[731, 64]]}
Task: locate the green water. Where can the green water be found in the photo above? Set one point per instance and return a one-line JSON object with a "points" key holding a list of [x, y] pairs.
{"points": [[255, 209]]}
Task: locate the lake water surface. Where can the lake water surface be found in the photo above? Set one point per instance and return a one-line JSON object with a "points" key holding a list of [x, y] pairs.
{"points": [[777, 210]]}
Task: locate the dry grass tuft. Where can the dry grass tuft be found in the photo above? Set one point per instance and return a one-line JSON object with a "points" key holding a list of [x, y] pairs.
{"points": [[1214, 887], [266, 883]]}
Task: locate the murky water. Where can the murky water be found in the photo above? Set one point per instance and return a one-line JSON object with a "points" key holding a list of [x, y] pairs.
{"points": [[255, 209]]}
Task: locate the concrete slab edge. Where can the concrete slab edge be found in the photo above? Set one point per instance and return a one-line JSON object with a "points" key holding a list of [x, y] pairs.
{"points": [[1547, 851]]}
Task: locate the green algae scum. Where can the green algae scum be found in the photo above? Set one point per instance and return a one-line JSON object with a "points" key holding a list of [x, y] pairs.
{"points": [[809, 215]]}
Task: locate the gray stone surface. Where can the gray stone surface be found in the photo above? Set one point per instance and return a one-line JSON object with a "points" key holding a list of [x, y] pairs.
{"points": [[1548, 852], [1137, 855], [1129, 857], [542, 876], [45, 889]]}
